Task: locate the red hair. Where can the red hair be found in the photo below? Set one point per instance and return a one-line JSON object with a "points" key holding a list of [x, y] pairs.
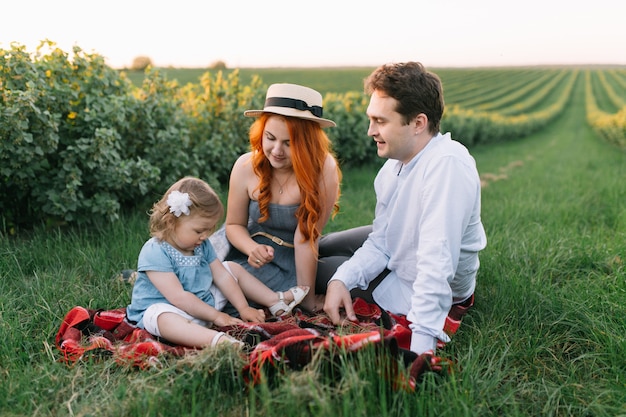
{"points": [[310, 147]]}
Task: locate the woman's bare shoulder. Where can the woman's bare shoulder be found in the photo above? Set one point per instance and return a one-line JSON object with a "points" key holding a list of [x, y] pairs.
{"points": [[243, 163]]}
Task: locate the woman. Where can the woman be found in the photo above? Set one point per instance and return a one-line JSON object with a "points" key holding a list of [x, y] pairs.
{"points": [[283, 192]]}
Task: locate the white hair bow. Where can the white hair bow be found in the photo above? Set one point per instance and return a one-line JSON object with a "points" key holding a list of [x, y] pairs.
{"points": [[179, 203]]}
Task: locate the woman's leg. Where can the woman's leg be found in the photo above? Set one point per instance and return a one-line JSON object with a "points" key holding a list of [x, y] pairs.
{"points": [[334, 249], [343, 242]]}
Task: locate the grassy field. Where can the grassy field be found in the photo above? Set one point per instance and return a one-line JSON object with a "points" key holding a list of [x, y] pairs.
{"points": [[324, 80], [546, 337]]}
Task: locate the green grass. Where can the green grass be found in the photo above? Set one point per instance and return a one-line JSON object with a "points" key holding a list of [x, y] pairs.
{"points": [[546, 337], [553, 281]]}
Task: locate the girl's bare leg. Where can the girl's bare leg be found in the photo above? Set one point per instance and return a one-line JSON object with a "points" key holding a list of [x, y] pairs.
{"points": [[179, 330], [254, 289]]}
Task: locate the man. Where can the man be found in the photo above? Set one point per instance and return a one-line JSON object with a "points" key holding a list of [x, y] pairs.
{"points": [[427, 230]]}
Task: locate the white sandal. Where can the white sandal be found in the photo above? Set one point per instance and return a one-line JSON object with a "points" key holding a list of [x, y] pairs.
{"points": [[281, 305]]}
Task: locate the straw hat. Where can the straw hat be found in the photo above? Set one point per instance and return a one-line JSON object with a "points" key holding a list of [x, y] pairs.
{"points": [[295, 101]]}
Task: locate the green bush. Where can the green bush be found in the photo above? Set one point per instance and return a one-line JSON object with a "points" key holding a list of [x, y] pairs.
{"points": [[350, 141], [218, 129], [66, 126], [80, 142]]}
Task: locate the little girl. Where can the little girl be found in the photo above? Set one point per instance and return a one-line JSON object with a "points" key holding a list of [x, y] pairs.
{"points": [[181, 285]]}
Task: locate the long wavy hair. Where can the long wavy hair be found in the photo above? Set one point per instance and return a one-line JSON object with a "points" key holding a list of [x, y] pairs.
{"points": [[204, 202], [309, 146]]}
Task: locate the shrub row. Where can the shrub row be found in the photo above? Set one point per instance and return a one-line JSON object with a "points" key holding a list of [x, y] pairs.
{"points": [[79, 143]]}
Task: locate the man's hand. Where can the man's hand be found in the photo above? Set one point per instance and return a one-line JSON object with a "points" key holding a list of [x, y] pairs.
{"points": [[337, 297]]}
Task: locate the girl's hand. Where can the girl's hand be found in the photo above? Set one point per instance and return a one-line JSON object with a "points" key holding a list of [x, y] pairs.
{"points": [[252, 314], [224, 319]]}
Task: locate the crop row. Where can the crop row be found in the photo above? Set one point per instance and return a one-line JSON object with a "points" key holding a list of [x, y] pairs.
{"points": [[497, 108], [611, 125], [478, 126]]}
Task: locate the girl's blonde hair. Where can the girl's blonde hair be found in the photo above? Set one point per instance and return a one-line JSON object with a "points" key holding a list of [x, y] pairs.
{"points": [[309, 148], [204, 202]]}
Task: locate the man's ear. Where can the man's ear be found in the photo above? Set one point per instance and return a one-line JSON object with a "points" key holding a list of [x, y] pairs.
{"points": [[420, 123]]}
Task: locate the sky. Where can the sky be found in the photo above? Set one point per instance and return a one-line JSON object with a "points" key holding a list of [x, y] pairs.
{"points": [[321, 33]]}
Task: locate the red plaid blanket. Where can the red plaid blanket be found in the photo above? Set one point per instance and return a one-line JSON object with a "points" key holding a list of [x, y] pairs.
{"points": [[290, 341]]}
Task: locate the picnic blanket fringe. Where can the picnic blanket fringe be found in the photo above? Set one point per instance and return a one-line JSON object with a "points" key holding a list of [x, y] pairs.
{"points": [[291, 341]]}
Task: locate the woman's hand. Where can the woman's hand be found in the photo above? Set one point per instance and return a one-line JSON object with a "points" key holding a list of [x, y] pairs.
{"points": [[261, 255]]}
